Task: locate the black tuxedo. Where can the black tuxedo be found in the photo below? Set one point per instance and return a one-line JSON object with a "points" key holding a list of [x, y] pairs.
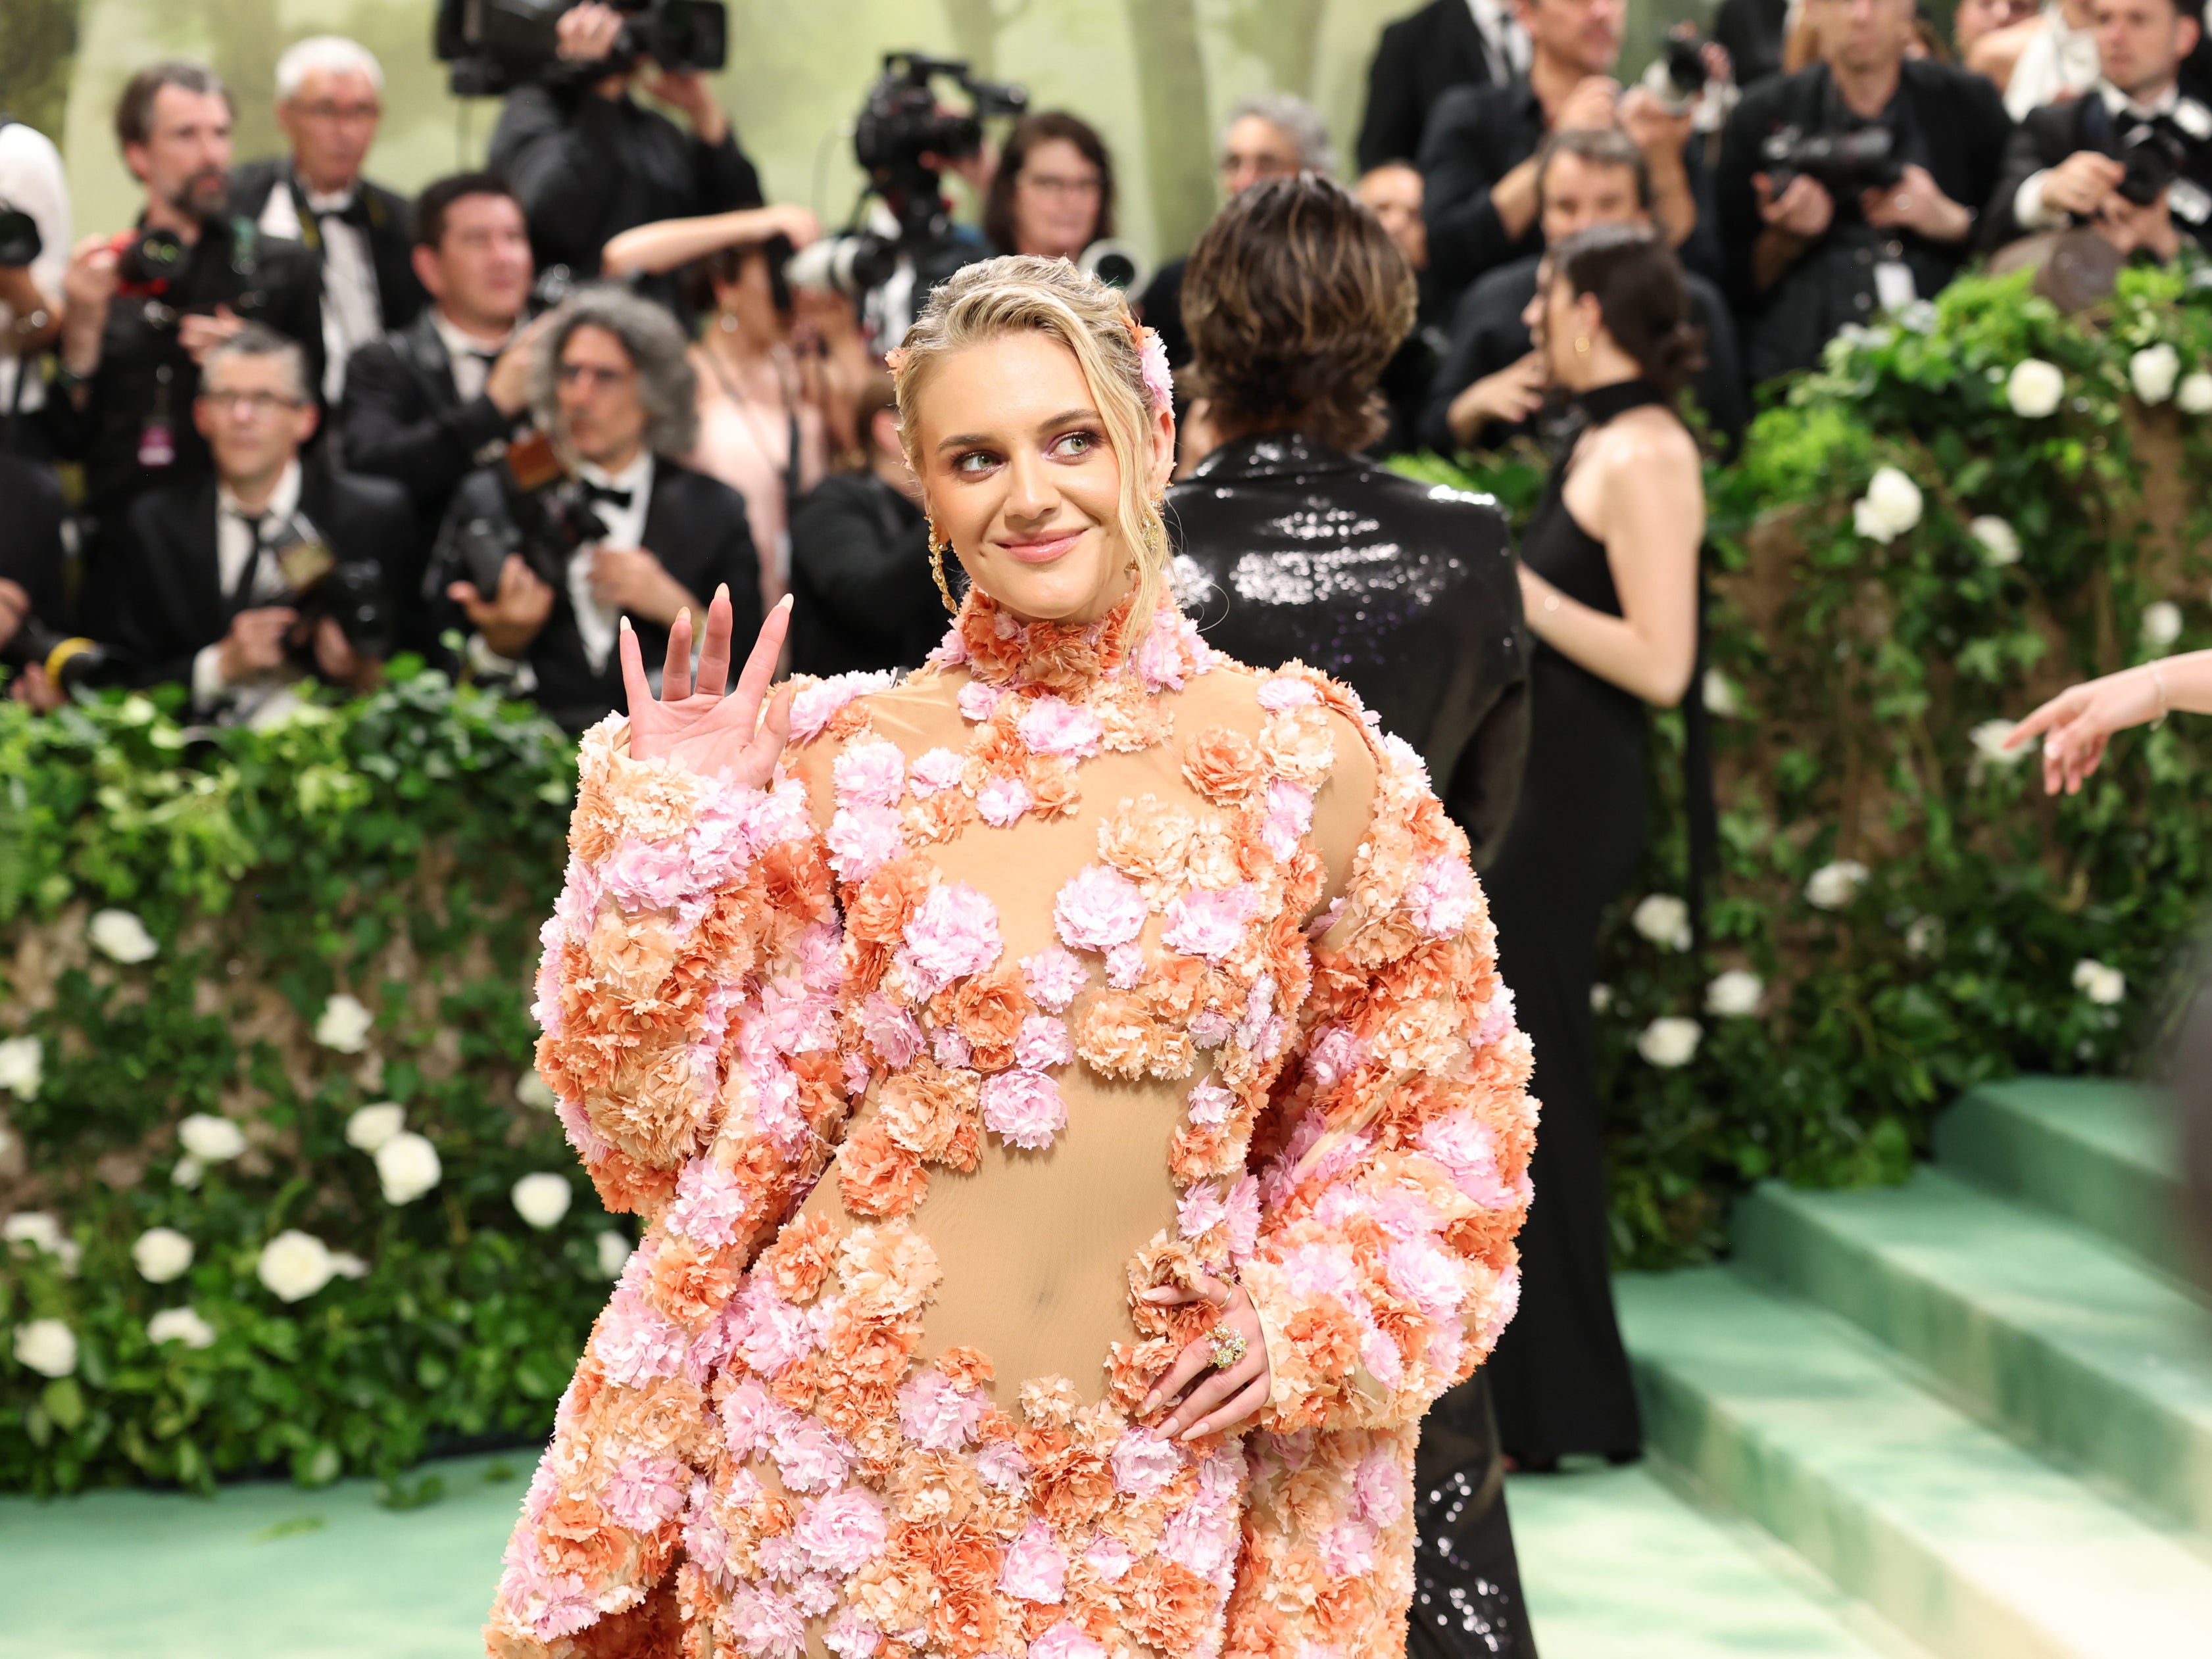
{"points": [[1419, 59], [402, 420], [861, 595], [31, 535], [1476, 136], [386, 219], [2055, 131], [1751, 30], [169, 577], [694, 524]]}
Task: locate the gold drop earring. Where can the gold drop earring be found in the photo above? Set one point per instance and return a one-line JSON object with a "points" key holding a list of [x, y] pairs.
{"points": [[937, 568]]}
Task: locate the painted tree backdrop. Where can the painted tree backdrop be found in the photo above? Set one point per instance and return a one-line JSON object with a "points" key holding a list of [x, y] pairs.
{"points": [[1155, 76]]}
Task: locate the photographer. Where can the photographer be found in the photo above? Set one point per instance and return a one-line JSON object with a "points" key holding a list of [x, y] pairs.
{"points": [[145, 308], [1478, 155], [862, 598], [588, 162], [31, 589], [1851, 187], [430, 401], [329, 101], [2133, 157], [34, 213], [634, 534], [274, 568], [1490, 385]]}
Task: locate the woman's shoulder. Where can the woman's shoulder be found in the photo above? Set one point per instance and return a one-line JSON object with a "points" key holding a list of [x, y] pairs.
{"points": [[1650, 436]]}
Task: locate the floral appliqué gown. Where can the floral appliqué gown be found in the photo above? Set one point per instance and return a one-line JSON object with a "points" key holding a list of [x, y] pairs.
{"points": [[1080, 962]]}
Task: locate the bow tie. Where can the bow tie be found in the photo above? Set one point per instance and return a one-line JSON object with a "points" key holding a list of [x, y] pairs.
{"points": [[354, 212], [608, 493]]}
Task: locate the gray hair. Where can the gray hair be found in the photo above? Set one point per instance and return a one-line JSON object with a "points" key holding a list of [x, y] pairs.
{"points": [[259, 340], [326, 54], [1291, 114], [668, 386]]}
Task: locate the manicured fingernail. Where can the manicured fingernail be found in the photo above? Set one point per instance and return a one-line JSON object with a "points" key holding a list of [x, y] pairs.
{"points": [[722, 593], [625, 625], [784, 604], [1151, 1399]]}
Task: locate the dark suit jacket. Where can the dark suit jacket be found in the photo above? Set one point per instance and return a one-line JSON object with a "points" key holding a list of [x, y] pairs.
{"points": [[1751, 30], [1418, 59], [2055, 131], [171, 580], [1487, 335], [1474, 137], [1419, 611], [694, 524], [391, 232], [862, 596], [402, 420], [31, 535]]}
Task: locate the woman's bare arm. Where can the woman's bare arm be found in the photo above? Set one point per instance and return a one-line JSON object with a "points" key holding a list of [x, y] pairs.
{"points": [[667, 243]]}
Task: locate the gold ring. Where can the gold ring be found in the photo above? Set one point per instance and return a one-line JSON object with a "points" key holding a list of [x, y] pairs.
{"points": [[1228, 1344]]}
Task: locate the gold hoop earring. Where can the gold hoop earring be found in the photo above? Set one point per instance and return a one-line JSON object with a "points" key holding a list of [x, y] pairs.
{"points": [[937, 568], [1581, 345]]}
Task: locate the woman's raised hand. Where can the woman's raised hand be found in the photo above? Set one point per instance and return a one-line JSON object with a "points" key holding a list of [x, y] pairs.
{"points": [[2077, 724], [694, 724]]}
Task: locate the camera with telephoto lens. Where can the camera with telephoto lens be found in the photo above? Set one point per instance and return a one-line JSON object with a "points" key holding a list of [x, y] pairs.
{"points": [[496, 45], [2154, 159], [71, 661], [548, 517], [347, 591], [146, 261], [1844, 163], [1678, 74], [19, 241]]}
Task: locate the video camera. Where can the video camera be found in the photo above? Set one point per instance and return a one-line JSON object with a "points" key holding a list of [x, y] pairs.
{"points": [[1844, 163], [496, 45], [901, 123], [548, 517]]}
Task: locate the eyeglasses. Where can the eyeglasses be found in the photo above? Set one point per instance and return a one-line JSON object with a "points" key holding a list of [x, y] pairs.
{"points": [[256, 403], [1053, 184], [336, 112], [593, 374]]}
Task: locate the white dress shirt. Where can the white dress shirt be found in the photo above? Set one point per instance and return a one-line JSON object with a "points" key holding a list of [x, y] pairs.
{"points": [[353, 312], [1504, 43], [2029, 206], [32, 180], [462, 350], [596, 623], [233, 547]]}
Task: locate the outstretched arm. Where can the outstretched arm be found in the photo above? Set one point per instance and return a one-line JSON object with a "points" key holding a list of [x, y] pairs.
{"points": [[2077, 724]]}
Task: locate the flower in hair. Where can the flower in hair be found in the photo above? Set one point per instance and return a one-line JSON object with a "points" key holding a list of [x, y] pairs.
{"points": [[1152, 362], [895, 360]]}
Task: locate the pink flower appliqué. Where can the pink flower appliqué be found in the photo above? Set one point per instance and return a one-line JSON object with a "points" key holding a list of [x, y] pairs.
{"points": [[636, 1344], [979, 698], [1109, 1557], [1002, 801], [842, 1532], [1125, 966], [1098, 909], [869, 775], [1143, 1464], [1024, 1108], [937, 1414], [852, 1637], [813, 708], [1152, 362], [1280, 692], [1208, 1104], [890, 1030], [1442, 897], [1034, 1569], [1055, 976], [1052, 726], [709, 1203], [1208, 925], [937, 771], [1043, 1042], [643, 1492], [955, 932], [1066, 1640], [863, 839], [950, 1048]]}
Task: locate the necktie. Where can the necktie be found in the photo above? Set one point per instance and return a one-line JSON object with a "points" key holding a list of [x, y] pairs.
{"points": [[241, 593]]}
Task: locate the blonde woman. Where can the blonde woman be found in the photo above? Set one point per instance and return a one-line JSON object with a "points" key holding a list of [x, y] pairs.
{"points": [[1076, 1118]]}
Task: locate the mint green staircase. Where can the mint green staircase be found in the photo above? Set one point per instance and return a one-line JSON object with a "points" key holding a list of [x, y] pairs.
{"points": [[1979, 1403]]}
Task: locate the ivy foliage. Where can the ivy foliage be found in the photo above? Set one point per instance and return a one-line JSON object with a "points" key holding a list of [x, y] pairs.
{"points": [[1858, 683], [401, 850]]}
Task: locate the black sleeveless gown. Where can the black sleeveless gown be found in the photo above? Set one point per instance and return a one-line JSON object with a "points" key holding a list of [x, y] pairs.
{"points": [[1559, 1376]]}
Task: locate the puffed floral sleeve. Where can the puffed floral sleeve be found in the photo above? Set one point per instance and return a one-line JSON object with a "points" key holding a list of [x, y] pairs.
{"points": [[1392, 1160], [687, 998]]}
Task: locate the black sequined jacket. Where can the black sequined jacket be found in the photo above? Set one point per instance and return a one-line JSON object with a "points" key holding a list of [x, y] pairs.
{"points": [[1406, 591]]}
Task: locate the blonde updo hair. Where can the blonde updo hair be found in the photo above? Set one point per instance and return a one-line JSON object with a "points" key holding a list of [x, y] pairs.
{"points": [[1022, 293]]}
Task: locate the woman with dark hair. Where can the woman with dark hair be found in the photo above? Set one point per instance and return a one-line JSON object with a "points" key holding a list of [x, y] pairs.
{"points": [[1053, 194], [1295, 299], [1609, 580]]}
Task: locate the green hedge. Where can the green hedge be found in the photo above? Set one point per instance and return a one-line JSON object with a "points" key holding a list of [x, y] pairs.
{"points": [[401, 852]]}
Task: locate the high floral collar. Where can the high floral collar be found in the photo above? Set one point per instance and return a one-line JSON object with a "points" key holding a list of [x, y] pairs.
{"points": [[1055, 657]]}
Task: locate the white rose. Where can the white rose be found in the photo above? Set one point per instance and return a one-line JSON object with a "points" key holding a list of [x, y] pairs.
{"points": [[1664, 920], [2153, 370], [614, 1254], [542, 1199], [187, 1172], [294, 1264], [119, 934], [163, 1254], [370, 1127], [1832, 885], [344, 1025], [1890, 507], [344, 1264], [2162, 624], [35, 1227], [534, 1092], [47, 1346], [2034, 388], [1999, 541], [1721, 700], [1670, 1041], [407, 1165], [1988, 743], [22, 1066], [1735, 993], [2101, 985], [211, 1139], [1601, 998], [1924, 937], [180, 1325], [2195, 396]]}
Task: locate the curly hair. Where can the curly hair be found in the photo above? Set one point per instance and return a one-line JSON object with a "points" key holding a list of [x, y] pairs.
{"points": [[1021, 293], [1294, 299], [668, 386]]}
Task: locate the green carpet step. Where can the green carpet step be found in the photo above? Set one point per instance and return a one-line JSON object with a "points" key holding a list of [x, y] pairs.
{"points": [[1616, 1562], [1966, 1543], [2046, 1332], [2099, 1152]]}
